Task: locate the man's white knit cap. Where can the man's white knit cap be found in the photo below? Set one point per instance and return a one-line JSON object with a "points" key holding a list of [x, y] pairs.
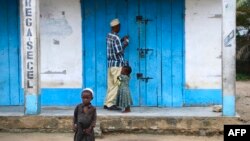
{"points": [[114, 22]]}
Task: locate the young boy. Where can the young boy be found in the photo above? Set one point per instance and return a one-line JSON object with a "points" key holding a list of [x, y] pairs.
{"points": [[85, 118]]}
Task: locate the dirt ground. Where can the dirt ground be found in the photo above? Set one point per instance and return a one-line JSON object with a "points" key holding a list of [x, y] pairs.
{"points": [[242, 108], [243, 100], [116, 137]]}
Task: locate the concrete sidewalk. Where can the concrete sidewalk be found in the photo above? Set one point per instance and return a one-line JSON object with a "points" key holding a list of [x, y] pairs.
{"points": [[136, 111], [185, 120]]}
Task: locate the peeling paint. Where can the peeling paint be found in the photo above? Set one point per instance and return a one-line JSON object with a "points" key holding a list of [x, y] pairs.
{"points": [[219, 57], [203, 84], [53, 84], [55, 72], [56, 42], [218, 75], [59, 84], [216, 16], [55, 21], [56, 26], [187, 86]]}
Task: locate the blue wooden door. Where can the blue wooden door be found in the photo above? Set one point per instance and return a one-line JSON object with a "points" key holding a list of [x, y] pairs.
{"points": [[9, 53], [155, 51], [160, 53]]}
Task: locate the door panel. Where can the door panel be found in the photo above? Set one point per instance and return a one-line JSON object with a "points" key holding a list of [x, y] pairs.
{"points": [[177, 53], [166, 55], [149, 70], [9, 54], [4, 55], [90, 48], [131, 51], [101, 51]]}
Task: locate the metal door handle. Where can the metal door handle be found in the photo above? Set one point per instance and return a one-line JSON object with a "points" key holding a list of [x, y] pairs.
{"points": [[140, 76]]}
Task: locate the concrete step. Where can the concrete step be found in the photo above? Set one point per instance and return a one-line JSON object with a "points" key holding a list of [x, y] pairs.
{"points": [[189, 120]]}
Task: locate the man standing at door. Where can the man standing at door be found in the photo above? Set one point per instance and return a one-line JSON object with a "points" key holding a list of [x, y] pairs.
{"points": [[115, 54]]}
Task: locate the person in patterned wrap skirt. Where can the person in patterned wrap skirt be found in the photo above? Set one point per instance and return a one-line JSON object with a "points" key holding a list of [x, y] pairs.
{"points": [[124, 99]]}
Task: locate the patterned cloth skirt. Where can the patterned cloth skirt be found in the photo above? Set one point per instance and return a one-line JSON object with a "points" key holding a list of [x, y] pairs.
{"points": [[124, 98]]}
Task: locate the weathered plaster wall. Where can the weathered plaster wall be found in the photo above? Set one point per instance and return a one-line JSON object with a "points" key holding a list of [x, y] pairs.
{"points": [[203, 44], [61, 44]]}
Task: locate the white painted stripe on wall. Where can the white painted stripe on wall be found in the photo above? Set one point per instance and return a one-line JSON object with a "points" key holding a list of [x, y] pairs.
{"points": [[203, 44]]}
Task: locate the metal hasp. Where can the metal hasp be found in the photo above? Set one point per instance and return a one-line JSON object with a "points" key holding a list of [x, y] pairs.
{"points": [[140, 19], [140, 76], [143, 51]]}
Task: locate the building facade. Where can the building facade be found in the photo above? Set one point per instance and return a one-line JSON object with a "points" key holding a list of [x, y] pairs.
{"points": [[51, 49]]}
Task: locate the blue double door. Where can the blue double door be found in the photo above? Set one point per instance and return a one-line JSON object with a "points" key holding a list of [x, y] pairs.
{"points": [[155, 50], [10, 92]]}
